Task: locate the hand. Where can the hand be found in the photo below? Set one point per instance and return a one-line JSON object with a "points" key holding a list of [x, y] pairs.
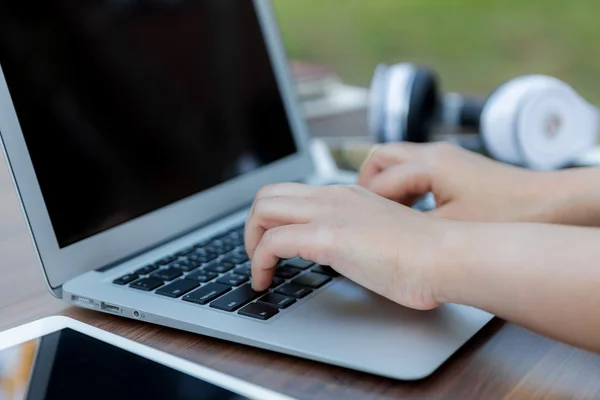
{"points": [[377, 243], [466, 185]]}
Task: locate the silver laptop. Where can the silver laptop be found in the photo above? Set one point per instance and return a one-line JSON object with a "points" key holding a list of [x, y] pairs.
{"points": [[137, 133]]}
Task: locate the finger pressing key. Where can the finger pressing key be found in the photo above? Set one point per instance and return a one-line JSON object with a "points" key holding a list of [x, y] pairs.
{"points": [[282, 242]]}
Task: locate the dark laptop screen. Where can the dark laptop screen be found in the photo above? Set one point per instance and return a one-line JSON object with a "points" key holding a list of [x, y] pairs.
{"points": [[130, 105]]}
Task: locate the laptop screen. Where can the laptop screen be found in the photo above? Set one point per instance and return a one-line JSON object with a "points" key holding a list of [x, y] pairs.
{"points": [[127, 106]]}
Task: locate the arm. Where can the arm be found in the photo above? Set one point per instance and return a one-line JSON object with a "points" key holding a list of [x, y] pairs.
{"points": [[470, 187], [543, 277]]}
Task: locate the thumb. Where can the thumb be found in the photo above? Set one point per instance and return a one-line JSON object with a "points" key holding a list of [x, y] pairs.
{"points": [[402, 183]]}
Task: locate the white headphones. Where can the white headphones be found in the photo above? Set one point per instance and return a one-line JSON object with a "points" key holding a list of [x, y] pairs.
{"points": [[534, 121]]}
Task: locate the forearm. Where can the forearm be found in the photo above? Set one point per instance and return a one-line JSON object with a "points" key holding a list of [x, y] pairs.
{"points": [[543, 277], [569, 197]]}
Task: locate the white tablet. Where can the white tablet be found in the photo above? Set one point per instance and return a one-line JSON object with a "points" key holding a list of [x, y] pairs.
{"points": [[60, 358]]}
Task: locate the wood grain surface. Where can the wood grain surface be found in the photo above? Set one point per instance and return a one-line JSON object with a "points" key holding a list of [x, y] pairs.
{"points": [[503, 361]]}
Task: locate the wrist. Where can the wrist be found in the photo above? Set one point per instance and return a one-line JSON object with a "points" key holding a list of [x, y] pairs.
{"points": [[468, 261], [450, 264], [568, 197]]}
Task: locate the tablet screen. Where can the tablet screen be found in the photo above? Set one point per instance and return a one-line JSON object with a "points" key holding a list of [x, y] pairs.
{"points": [[70, 365]]}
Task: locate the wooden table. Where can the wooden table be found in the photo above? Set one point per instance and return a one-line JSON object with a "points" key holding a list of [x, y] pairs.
{"points": [[503, 361]]}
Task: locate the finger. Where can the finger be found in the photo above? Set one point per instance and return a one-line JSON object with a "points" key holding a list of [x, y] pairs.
{"points": [[385, 156], [368, 157], [286, 189], [270, 212], [282, 242], [402, 183], [281, 189]]}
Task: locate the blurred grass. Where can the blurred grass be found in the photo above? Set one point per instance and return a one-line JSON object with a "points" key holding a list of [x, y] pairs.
{"points": [[473, 44]]}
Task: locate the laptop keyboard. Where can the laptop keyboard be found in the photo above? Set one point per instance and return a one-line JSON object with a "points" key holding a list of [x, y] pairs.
{"points": [[216, 274]]}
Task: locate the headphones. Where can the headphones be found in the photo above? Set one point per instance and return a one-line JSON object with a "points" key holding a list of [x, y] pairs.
{"points": [[533, 121]]}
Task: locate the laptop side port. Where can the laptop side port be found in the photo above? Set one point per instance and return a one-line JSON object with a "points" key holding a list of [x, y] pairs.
{"points": [[110, 308], [82, 301]]}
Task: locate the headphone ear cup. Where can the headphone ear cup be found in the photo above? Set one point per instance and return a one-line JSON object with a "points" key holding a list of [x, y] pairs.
{"points": [[423, 104], [500, 114], [497, 122], [537, 121], [377, 99], [403, 102]]}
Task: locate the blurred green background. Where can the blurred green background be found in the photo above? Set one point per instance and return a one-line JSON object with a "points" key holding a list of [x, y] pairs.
{"points": [[473, 44]]}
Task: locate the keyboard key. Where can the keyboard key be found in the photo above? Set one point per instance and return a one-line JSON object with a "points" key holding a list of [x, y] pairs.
{"points": [[227, 247], [236, 299], [277, 300], [202, 276], [219, 247], [204, 251], [259, 311], [276, 282], [124, 280], [166, 260], [236, 258], [241, 251], [314, 281], [244, 269], [206, 293], [202, 257], [147, 284], [167, 274], [219, 267], [228, 239], [234, 240], [294, 290], [239, 231], [147, 269], [238, 240], [287, 272], [233, 279], [323, 269], [185, 265], [177, 288], [298, 263], [185, 252]]}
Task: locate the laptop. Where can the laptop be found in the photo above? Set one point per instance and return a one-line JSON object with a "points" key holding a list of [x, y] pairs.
{"points": [[137, 133]]}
